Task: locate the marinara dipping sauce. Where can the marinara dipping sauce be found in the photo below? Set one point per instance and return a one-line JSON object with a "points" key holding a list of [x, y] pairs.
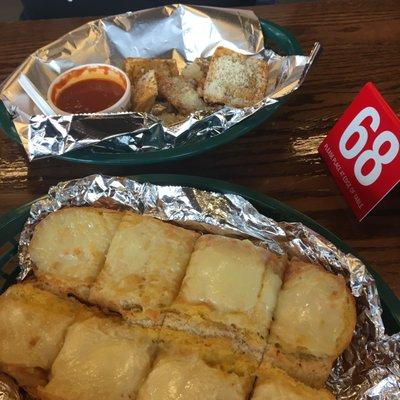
{"points": [[89, 96], [90, 88]]}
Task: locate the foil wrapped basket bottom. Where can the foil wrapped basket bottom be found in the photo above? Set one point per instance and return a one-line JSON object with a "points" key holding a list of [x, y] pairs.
{"points": [[176, 31], [368, 369]]}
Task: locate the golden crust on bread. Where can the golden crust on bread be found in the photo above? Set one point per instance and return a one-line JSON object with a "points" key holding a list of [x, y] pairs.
{"points": [[313, 323], [225, 352], [312, 371], [181, 373], [235, 79], [275, 384], [69, 246], [230, 289], [137, 67], [100, 359], [33, 323], [144, 92], [144, 267]]}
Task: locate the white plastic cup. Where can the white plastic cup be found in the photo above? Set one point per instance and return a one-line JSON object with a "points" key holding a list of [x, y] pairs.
{"points": [[91, 71]]}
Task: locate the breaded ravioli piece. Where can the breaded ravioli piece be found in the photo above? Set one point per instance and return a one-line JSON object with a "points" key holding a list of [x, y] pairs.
{"points": [[69, 246], [274, 384], [100, 359], [313, 323], [230, 289], [197, 72], [170, 119], [137, 67], [234, 79], [33, 324], [188, 377], [144, 92], [144, 267], [181, 93]]}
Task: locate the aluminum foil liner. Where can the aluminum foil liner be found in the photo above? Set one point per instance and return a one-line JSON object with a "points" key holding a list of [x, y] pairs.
{"points": [[9, 389], [176, 31], [369, 369]]}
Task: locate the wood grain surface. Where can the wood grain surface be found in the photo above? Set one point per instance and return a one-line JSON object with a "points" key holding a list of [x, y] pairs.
{"points": [[360, 43]]}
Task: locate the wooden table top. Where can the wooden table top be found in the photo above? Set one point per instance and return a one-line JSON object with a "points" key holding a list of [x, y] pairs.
{"points": [[279, 158]]}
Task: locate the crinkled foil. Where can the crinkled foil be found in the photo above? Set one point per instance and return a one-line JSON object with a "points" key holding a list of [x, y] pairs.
{"points": [[176, 31], [9, 389], [369, 369]]}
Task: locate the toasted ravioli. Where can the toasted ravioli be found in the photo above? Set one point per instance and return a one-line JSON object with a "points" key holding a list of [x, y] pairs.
{"points": [[197, 70], [33, 323], [314, 322], [235, 79], [137, 67], [69, 246], [276, 385], [169, 118], [145, 264], [230, 285], [188, 377], [144, 92], [181, 93], [100, 359]]}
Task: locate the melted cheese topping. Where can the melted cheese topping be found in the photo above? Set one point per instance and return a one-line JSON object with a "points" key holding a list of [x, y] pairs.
{"points": [[278, 390], [97, 363], [277, 385], [267, 301], [145, 263], [32, 326], [225, 273], [189, 378], [311, 313], [71, 244]]}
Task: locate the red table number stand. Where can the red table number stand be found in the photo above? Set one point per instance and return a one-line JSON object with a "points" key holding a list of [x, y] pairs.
{"points": [[362, 151]]}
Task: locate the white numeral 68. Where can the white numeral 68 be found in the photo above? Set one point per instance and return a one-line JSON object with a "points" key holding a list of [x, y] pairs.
{"points": [[355, 128]]}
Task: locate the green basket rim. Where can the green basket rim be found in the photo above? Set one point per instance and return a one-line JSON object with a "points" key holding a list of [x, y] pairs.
{"points": [[272, 32]]}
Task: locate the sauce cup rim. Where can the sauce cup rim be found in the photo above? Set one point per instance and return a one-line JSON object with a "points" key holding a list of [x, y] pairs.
{"points": [[123, 99]]}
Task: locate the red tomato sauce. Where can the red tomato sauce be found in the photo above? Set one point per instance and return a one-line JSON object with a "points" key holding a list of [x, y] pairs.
{"points": [[89, 96]]}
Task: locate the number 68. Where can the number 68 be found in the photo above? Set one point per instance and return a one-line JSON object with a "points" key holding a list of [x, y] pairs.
{"points": [[355, 127]]}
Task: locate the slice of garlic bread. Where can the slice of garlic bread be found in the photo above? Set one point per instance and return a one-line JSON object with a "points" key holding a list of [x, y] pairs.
{"points": [[33, 324], [230, 289], [313, 323], [144, 268], [100, 359], [184, 375], [69, 246]]}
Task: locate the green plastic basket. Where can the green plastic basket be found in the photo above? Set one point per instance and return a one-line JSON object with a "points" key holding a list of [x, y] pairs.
{"points": [[12, 223], [275, 36]]}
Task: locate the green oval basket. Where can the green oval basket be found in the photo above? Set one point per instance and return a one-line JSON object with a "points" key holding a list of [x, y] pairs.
{"points": [[12, 223], [275, 36]]}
